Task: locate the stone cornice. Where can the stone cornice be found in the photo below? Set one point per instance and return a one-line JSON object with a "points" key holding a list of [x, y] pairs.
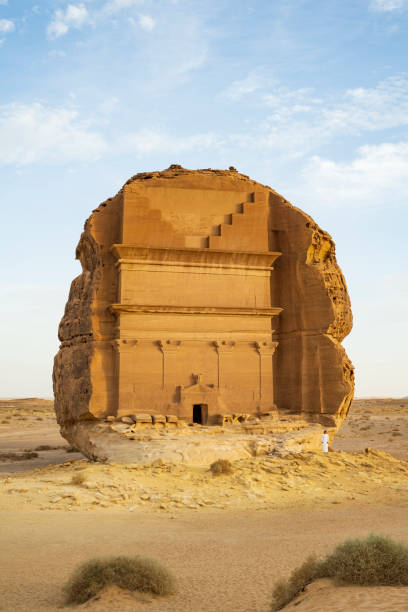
{"points": [[194, 310], [134, 254]]}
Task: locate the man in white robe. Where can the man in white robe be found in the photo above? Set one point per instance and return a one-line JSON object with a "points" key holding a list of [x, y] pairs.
{"points": [[325, 442]]}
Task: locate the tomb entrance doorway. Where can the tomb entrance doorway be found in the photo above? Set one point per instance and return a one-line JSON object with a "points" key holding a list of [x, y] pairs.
{"points": [[200, 413]]}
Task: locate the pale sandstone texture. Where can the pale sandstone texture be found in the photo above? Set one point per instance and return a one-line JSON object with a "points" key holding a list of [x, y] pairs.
{"points": [[204, 297]]}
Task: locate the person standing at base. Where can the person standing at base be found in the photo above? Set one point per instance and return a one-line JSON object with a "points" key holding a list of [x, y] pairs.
{"points": [[325, 441]]}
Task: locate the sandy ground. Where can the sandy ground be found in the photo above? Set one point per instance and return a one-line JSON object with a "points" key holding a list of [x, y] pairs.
{"points": [[227, 539]]}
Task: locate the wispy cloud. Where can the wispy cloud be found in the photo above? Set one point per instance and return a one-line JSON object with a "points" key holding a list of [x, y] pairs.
{"points": [[299, 121], [6, 26], [3, 2], [74, 16], [146, 22], [387, 5], [153, 141], [34, 133], [113, 6], [242, 87], [377, 176]]}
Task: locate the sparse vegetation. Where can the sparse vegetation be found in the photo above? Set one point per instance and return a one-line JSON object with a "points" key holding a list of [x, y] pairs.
{"points": [[18, 456], [375, 560], [79, 479], [47, 447], [131, 573], [221, 466], [286, 590]]}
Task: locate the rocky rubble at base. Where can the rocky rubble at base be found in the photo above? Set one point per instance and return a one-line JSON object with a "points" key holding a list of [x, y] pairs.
{"points": [[259, 482], [136, 439]]}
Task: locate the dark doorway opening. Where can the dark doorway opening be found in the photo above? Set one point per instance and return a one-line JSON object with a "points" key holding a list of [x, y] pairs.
{"points": [[200, 413]]}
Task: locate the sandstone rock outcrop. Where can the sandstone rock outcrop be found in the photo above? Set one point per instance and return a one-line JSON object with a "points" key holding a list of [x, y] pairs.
{"points": [[203, 295]]}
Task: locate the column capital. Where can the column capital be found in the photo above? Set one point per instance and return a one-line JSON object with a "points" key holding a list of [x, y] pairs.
{"points": [[124, 344], [168, 346], [224, 346], [266, 348]]}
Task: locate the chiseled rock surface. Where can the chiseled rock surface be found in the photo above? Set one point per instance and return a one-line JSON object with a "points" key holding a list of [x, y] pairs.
{"points": [[122, 334], [122, 443]]}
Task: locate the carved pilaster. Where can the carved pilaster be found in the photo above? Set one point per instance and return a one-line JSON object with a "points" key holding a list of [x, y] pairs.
{"points": [[124, 373], [222, 347], [169, 349], [265, 350]]}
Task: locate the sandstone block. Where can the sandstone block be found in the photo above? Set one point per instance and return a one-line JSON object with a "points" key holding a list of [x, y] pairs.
{"points": [[171, 418], [127, 419], [142, 418], [158, 418], [202, 293]]}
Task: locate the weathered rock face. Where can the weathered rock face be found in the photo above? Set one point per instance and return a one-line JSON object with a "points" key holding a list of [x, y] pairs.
{"points": [[174, 311]]}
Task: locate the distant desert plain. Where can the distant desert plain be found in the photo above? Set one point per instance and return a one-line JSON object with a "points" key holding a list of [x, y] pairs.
{"points": [[226, 538]]}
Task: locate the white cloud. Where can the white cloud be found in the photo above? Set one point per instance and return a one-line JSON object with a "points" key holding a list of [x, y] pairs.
{"points": [[6, 26], [113, 6], [378, 176], [74, 16], [3, 2], [387, 5], [242, 87], [146, 22], [152, 141], [35, 133], [300, 122]]}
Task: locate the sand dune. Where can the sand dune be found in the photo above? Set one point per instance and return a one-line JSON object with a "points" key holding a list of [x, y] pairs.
{"points": [[227, 539], [324, 595]]}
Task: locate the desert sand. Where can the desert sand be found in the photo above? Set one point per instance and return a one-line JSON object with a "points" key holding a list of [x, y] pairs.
{"points": [[227, 538]]}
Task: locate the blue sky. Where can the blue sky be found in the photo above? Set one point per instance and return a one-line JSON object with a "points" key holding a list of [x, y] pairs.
{"points": [[307, 96]]}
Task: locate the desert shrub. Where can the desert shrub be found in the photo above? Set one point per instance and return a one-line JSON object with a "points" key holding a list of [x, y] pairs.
{"points": [[45, 447], [132, 573], [221, 466], [375, 560], [79, 478], [18, 456], [286, 590]]}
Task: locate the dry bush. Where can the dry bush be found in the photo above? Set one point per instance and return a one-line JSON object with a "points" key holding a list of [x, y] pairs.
{"points": [[221, 466], [46, 447], [5, 421], [132, 573], [286, 590], [18, 456], [79, 478], [374, 561]]}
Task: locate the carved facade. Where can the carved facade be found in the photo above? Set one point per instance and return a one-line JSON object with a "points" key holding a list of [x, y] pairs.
{"points": [[176, 307]]}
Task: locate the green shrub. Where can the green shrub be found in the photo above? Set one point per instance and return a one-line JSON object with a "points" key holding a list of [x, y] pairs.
{"points": [[221, 466], [375, 560], [131, 573], [286, 590]]}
